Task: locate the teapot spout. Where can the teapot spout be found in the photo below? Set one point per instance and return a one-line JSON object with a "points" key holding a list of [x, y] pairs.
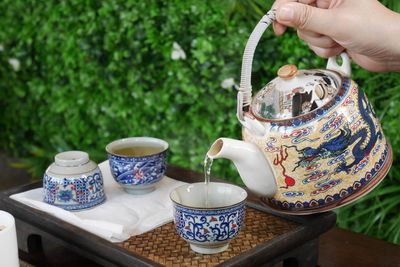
{"points": [[253, 167]]}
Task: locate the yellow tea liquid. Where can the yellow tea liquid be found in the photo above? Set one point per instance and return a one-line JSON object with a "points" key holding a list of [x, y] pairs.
{"points": [[137, 151]]}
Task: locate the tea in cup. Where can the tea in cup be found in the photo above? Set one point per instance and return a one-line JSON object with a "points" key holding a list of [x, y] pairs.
{"points": [[137, 163], [208, 216]]}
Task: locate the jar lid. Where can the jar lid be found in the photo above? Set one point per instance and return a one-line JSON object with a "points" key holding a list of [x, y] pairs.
{"points": [[71, 158], [295, 93]]}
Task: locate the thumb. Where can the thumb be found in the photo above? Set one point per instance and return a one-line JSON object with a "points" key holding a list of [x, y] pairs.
{"points": [[305, 17]]}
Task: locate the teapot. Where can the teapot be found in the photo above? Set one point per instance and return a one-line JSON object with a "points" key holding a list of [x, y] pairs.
{"points": [[312, 141]]}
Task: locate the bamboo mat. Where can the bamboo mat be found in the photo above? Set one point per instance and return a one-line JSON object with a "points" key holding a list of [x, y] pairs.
{"points": [[164, 246]]}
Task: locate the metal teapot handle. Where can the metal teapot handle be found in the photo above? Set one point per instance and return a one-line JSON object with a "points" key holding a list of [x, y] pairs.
{"points": [[244, 94]]}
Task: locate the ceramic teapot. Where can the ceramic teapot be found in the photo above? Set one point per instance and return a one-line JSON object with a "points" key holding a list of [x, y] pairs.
{"points": [[312, 141]]}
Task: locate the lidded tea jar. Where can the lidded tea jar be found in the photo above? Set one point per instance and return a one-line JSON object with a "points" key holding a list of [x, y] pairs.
{"points": [[73, 182]]}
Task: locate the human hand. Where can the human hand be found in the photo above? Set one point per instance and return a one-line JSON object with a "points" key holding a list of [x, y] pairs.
{"points": [[365, 28]]}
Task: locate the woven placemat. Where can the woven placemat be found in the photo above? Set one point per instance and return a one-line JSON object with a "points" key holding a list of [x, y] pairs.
{"points": [[163, 245]]}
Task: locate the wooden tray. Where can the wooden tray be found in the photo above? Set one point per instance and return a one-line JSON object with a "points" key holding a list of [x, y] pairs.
{"points": [[266, 237]]}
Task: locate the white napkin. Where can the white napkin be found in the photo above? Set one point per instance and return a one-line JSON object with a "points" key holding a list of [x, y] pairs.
{"points": [[122, 215]]}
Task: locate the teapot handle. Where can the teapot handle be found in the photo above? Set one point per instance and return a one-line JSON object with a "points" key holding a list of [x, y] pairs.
{"points": [[244, 94], [344, 69]]}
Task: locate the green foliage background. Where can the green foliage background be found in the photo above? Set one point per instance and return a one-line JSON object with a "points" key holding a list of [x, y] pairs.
{"points": [[95, 71]]}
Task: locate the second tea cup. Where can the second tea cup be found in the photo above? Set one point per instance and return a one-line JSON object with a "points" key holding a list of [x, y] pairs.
{"points": [[137, 163], [208, 216]]}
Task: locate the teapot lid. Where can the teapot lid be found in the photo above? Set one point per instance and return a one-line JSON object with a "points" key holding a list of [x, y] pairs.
{"points": [[295, 93]]}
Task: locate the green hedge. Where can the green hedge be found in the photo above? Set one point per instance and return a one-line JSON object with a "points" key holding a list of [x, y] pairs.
{"points": [[94, 71]]}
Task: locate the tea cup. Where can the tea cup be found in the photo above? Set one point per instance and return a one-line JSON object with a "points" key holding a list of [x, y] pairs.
{"points": [[208, 216], [137, 163], [8, 240], [73, 182]]}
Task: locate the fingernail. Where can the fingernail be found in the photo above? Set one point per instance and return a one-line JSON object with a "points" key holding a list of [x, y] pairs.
{"points": [[286, 13]]}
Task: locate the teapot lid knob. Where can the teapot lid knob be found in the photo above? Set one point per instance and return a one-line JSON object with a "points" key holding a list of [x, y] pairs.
{"points": [[287, 71]]}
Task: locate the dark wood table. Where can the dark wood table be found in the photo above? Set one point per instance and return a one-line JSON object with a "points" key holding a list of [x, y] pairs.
{"points": [[48, 241]]}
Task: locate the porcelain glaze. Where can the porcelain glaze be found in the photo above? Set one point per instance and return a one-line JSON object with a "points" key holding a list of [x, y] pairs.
{"points": [[208, 228], [73, 182], [138, 174], [8, 241], [315, 130], [328, 157], [249, 160]]}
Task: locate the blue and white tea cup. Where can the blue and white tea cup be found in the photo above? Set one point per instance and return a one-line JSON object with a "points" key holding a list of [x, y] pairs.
{"points": [[73, 182], [208, 216], [137, 163]]}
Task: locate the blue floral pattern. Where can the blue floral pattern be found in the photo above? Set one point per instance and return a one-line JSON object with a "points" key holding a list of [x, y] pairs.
{"points": [[74, 193], [209, 225], [65, 195]]}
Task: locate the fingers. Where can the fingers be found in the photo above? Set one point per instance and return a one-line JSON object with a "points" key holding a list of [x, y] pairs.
{"points": [[305, 17], [312, 20], [278, 27], [327, 52], [370, 64], [324, 3], [316, 39]]}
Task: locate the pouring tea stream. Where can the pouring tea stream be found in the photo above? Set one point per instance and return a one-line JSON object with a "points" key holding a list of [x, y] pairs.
{"points": [[312, 141]]}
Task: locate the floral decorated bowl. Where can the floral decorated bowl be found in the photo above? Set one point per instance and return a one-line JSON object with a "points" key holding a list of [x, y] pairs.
{"points": [[73, 182], [208, 216]]}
